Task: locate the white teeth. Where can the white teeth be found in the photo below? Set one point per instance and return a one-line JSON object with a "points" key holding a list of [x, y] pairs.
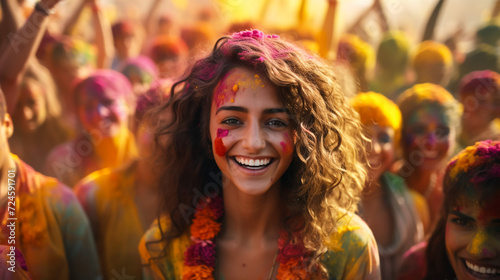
{"points": [[482, 269], [253, 162]]}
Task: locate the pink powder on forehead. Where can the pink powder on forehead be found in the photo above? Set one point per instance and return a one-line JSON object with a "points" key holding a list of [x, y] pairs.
{"points": [[224, 91], [107, 82]]}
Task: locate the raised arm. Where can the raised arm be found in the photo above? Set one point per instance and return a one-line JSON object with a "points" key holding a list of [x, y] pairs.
{"points": [[103, 36], [12, 20], [22, 46], [73, 18], [431, 24], [151, 19], [384, 23], [328, 38], [496, 10]]}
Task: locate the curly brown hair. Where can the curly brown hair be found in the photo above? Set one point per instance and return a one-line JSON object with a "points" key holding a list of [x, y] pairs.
{"points": [[326, 174]]}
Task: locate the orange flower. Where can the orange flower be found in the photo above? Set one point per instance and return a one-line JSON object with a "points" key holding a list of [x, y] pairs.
{"points": [[204, 227], [292, 270], [198, 272]]}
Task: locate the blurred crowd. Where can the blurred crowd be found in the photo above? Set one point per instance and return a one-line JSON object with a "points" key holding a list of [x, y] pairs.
{"points": [[82, 81]]}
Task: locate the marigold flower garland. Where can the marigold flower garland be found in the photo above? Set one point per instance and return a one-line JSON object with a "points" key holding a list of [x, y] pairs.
{"points": [[199, 262]]}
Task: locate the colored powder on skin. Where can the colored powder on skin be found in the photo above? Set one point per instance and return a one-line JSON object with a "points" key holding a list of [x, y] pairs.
{"points": [[257, 79], [226, 88], [489, 209], [477, 242], [220, 149], [221, 133]]}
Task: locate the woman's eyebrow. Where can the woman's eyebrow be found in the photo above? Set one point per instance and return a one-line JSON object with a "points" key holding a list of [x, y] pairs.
{"points": [[232, 108], [461, 215], [276, 111]]}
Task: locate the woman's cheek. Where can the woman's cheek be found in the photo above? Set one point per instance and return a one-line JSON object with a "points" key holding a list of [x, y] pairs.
{"points": [[286, 144], [219, 147]]}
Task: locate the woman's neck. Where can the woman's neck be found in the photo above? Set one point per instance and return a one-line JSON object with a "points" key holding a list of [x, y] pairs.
{"points": [[144, 174], [112, 150], [249, 217], [420, 180], [7, 166]]}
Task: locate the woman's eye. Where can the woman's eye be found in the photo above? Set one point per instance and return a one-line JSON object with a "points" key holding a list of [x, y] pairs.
{"points": [[461, 222], [384, 138], [277, 123], [231, 121]]}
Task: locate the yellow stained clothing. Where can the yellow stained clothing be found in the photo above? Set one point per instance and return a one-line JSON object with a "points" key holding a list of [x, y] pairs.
{"points": [[52, 232], [107, 196], [352, 252], [72, 161]]}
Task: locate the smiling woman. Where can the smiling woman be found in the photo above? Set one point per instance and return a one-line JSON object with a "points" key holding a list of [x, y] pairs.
{"points": [[465, 243], [260, 171]]}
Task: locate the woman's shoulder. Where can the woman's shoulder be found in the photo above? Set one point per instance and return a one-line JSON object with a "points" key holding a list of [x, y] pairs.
{"points": [[350, 227], [352, 251], [159, 259]]}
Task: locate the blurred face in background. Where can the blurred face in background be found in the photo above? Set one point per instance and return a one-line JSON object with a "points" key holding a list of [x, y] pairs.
{"points": [[428, 138], [103, 111], [380, 151], [31, 110]]}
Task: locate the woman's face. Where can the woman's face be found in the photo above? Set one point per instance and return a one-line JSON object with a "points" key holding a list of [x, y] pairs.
{"points": [[251, 132], [381, 150], [473, 238], [428, 138], [103, 112], [31, 111]]}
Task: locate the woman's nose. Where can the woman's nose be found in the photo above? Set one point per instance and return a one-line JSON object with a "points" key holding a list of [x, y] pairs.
{"points": [[481, 246], [254, 139]]}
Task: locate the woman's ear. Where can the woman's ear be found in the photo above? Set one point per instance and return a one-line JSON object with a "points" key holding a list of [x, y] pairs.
{"points": [[9, 126]]}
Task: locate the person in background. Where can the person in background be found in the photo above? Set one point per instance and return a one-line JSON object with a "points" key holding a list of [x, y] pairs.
{"points": [[392, 212], [432, 63], [127, 42], [130, 191], [37, 118], [392, 63], [359, 57], [141, 72], [170, 56], [465, 243], [480, 99], [103, 103], [431, 121], [50, 235]]}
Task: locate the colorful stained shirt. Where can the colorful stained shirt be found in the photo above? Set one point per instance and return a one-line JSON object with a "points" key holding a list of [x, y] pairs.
{"points": [[413, 263], [107, 197], [52, 233], [408, 228], [72, 161], [352, 253]]}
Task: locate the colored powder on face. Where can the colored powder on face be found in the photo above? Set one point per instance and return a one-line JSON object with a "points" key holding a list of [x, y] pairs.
{"points": [[220, 149], [287, 149], [226, 88], [477, 243], [257, 79], [221, 133]]}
